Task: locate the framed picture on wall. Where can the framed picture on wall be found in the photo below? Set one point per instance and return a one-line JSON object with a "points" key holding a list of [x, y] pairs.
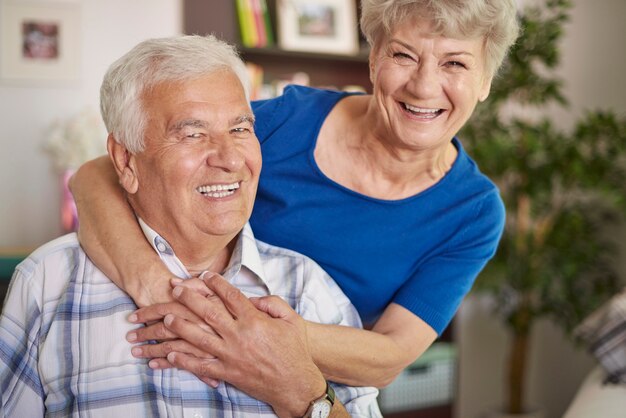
{"points": [[323, 26], [39, 41]]}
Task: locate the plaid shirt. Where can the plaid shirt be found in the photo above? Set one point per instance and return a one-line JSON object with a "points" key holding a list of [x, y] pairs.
{"points": [[62, 336]]}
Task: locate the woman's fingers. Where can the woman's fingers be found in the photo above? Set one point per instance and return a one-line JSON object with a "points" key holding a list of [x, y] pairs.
{"points": [[210, 309], [273, 306], [156, 331], [158, 311], [209, 371], [161, 350], [195, 283], [209, 344], [235, 301], [160, 364]]}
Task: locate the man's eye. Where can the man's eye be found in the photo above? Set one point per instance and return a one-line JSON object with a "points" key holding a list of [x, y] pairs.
{"points": [[241, 131], [194, 135], [401, 58]]}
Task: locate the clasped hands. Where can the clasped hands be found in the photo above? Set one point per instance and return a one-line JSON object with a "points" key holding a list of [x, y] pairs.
{"points": [[212, 330]]}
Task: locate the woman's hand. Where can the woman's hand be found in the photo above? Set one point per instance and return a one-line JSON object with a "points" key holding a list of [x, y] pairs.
{"points": [[155, 329], [263, 353]]}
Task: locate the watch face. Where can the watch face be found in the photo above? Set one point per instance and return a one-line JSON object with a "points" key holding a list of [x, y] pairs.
{"points": [[321, 409]]}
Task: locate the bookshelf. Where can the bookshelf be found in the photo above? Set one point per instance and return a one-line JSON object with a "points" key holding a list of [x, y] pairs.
{"points": [[219, 17]]}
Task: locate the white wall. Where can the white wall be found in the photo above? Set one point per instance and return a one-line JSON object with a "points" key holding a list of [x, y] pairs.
{"points": [[29, 190], [593, 67]]}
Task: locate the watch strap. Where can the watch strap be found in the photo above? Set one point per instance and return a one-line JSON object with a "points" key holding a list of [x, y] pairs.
{"points": [[328, 396]]}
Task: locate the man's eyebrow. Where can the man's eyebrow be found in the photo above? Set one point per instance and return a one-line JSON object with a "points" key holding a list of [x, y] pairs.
{"points": [[247, 117], [193, 123]]}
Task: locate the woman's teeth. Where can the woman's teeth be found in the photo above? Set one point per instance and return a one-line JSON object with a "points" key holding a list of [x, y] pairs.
{"points": [[430, 113]]}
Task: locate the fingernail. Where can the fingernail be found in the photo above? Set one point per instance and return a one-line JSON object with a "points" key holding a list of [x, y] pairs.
{"points": [[153, 364], [177, 291], [136, 351], [176, 281], [169, 318], [171, 357], [131, 337], [132, 317], [206, 274]]}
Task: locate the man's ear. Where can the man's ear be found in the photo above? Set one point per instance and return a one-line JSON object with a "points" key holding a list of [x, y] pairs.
{"points": [[124, 163]]}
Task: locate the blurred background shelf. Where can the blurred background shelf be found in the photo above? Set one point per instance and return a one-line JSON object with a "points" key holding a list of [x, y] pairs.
{"points": [[219, 17]]}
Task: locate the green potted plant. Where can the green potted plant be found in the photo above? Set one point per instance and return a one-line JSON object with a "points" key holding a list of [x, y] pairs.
{"points": [[561, 189]]}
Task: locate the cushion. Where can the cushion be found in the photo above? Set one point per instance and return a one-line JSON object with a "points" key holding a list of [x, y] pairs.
{"points": [[604, 333]]}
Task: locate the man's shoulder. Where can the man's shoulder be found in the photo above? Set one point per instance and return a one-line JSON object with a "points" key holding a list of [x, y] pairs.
{"points": [[55, 251], [47, 270], [283, 259], [306, 286], [269, 251]]}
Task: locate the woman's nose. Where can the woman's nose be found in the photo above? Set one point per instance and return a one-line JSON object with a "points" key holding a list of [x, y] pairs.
{"points": [[424, 82], [224, 154]]}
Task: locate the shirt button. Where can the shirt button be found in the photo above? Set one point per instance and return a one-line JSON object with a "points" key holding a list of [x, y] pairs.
{"points": [[161, 247]]}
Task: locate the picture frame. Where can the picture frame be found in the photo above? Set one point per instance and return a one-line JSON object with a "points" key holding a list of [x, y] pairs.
{"points": [[321, 26], [39, 41]]}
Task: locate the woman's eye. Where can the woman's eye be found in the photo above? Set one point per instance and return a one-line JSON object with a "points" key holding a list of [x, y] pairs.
{"points": [[455, 64], [401, 58]]}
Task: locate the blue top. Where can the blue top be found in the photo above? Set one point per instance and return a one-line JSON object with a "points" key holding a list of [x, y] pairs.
{"points": [[422, 252]]}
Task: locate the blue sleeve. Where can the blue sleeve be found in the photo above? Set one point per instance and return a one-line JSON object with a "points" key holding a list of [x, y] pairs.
{"points": [[269, 115], [450, 273]]}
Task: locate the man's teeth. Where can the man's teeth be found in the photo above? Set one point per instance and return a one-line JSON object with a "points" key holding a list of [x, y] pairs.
{"points": [[218, 190], [421, 111]]}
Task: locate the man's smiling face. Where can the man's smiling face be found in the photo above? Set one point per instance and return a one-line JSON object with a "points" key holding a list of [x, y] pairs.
{"points": [[200, 168]]}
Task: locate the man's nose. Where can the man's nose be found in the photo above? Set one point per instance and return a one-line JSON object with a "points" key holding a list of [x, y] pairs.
{"points": [[225, 154]]}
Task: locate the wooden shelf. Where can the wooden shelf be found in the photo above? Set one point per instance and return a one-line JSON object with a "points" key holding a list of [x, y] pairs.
{"points": [[361, 57], [219, 18]]}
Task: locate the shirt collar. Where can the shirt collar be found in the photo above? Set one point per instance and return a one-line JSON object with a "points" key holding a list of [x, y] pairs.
{"points": [[245, 253]]}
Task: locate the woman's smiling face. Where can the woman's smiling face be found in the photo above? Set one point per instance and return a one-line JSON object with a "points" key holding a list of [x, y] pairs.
{"points": [[426, 86]]}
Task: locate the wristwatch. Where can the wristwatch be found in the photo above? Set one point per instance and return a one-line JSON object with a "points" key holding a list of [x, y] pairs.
{"points": [[320, 408]]}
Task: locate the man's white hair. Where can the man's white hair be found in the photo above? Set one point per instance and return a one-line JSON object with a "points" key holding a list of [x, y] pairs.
{"points": [[152, 62]]}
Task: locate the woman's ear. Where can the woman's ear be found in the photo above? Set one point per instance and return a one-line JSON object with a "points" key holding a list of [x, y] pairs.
{"points": [[124, 163], [372, 65], [485, 89]]}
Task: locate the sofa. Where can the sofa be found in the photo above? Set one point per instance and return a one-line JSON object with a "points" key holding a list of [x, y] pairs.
{"points": [[603, 392]]}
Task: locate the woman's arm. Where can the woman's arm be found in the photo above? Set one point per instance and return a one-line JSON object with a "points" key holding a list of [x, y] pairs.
{"points": [[110, 235], [360, 357], [346, 355]]}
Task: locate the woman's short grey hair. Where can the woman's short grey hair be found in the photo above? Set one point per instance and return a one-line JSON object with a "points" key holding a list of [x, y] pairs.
{"points": [[154, 61], [493, 20]]}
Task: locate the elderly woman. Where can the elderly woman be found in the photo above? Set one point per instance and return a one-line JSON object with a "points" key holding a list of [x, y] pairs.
{"points": [[375, 188]]}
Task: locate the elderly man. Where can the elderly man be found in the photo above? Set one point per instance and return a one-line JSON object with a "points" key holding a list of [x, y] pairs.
{"points": [[181, 137]]}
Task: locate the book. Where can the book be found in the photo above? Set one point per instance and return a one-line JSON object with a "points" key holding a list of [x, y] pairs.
{"points": [[247, 26], [269, 32], [259, 23]]}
